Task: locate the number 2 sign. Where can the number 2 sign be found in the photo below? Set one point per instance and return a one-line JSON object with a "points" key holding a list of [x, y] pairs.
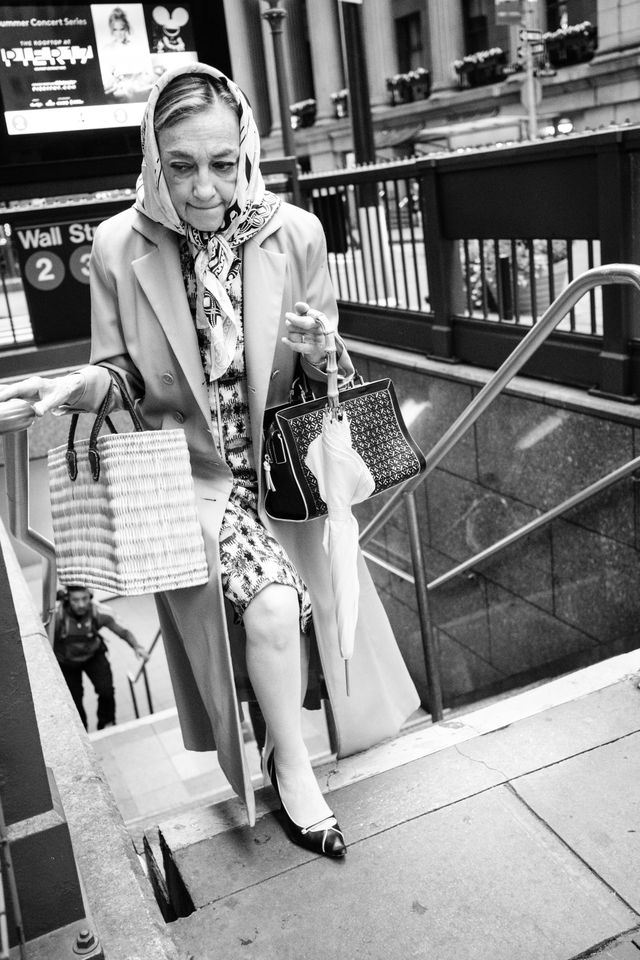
{"points": [[54, 261]]}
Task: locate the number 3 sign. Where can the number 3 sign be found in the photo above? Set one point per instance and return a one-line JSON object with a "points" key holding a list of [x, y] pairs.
{"points": [[54, 260]]}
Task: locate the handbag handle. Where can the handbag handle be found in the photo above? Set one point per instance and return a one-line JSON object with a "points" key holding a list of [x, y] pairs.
{"points": [[71, 455], [333, 398]]}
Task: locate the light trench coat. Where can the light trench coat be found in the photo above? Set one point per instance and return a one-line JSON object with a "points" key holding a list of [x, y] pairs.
{"points": [[142, 325]]}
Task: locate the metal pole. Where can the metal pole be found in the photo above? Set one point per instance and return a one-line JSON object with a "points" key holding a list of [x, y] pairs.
{"points": [[274, 17], [431, 658], [3, 274], [134, 699], [357, 80], [147, 689], [530, 75]]}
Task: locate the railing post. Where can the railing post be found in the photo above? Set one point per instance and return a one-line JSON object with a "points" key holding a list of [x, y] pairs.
{"points": [[443, 267], [614, 192], [431, 658]]}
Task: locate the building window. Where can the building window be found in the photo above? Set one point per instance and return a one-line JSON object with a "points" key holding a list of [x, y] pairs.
{"points": [[476, 34], [480, 28], [409, 42], [566, 13]]}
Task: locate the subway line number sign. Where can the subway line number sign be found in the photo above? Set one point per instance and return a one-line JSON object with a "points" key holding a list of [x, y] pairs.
{"points": [[56, 249], [54, 259]]}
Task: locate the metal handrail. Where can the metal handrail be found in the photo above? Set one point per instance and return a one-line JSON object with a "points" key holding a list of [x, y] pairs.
{"points": [[16, 416], [561, 306], [142, 672], [524, 531]]}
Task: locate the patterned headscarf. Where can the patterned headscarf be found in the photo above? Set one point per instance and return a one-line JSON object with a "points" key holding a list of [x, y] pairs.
{"points": [[251, 207]]}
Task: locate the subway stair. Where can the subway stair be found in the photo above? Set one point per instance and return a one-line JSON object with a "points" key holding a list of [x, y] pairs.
{"points": [[509, 832]]}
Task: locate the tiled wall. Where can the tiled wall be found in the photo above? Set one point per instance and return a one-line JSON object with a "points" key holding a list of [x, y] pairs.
{"points": [[566, 596]]}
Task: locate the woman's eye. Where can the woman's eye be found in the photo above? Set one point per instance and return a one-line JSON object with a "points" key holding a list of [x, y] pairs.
{"points": [[224, 166], [180, 167]]}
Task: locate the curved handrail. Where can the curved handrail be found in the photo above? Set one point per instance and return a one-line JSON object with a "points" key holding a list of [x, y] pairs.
{"points": [[16, 416], [595, 277]]}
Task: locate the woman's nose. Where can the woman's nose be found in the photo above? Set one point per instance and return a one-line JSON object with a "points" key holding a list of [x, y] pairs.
{"points": [[204, 186]]}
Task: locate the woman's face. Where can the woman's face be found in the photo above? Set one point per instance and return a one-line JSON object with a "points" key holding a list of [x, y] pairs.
{"points": [[119, 31], [199, 157]]}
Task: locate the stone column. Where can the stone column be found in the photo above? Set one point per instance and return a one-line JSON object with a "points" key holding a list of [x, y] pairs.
{"points": [[326, 53], [271, 91], [447, 40], [297, 50], [380, 46], [247, 52]]}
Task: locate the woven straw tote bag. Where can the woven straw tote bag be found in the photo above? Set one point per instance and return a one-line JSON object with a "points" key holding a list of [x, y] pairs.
{"points": [[123, 508]]}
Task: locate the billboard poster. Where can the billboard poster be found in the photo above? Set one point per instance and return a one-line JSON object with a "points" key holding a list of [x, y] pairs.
{"points": [[86, 67]]}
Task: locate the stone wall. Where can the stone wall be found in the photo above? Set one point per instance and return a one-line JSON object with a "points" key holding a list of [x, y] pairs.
{"points": [[565, 596]]}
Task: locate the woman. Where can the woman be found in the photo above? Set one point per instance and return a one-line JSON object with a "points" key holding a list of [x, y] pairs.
{"points": [[123, 60], [199, 299]]}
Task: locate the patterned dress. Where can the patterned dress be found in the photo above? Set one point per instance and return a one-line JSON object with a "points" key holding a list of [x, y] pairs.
{"points": [[250, 557]]}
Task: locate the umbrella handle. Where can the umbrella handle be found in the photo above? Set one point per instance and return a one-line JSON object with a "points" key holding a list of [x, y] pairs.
{"points": [[332, 367]]}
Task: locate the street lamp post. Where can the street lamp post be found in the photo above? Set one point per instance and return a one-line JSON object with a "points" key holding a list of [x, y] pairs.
{"points": [[274, 17]]}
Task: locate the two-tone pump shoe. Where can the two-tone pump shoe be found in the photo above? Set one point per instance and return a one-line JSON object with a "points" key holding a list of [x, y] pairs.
{"points": [[324, 838]]}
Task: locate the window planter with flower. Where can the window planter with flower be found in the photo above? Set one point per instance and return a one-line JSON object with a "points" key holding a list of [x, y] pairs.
{"points": [[303, 113], [569, 45], [340, 101], [506, 276], [485, 66], [407, 87]]}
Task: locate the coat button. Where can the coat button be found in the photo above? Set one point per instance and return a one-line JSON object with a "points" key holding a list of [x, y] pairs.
{"points": [[167, 377], [178, 417]]}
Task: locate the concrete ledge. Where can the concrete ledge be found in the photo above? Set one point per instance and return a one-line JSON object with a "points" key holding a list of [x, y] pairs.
{"points": [[118, 894]]}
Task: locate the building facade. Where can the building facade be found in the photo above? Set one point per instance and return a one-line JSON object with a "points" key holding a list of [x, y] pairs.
{"points": [[585, 56]]}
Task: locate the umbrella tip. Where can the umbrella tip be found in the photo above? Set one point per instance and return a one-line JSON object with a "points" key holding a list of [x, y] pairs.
{"points": [[346, 677]]}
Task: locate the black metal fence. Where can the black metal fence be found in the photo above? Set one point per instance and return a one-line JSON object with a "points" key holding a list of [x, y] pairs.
{"points": [[457, 255]]}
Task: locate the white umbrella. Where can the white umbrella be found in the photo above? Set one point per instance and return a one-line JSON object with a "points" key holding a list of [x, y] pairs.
{"points": [[343, 479]]}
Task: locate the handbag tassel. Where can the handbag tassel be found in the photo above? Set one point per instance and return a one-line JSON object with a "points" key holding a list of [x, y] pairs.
{"points": [[267, 473]]}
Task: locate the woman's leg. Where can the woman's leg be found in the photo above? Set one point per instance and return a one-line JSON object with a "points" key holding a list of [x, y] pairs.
{"points": [[272, 626]]}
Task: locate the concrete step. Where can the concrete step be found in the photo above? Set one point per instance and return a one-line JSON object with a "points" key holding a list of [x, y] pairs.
{"points": [[508, 832]]}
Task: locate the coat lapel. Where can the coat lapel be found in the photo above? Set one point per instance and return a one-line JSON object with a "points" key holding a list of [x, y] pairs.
{"points": [[264, 270], [160, 277], [264, 278]]}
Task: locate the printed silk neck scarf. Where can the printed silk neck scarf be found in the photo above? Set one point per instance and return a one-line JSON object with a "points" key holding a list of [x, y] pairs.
{"points": [[251, 207]]}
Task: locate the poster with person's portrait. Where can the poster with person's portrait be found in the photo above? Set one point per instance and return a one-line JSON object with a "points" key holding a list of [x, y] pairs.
{"points": [[87, 67], [123, 51]]}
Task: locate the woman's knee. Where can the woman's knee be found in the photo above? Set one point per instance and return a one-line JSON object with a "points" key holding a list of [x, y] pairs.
{"points": [[272, 617]]}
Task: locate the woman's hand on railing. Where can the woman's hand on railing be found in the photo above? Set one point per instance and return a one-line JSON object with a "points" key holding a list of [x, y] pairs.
{"points": [[141, 653], [49, 393]]}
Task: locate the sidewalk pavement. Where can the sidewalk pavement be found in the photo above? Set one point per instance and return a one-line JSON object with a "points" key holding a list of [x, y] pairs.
{"points": [[509, 833]]}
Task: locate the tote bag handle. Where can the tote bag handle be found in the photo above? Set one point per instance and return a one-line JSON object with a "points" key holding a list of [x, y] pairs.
{"points": [[101, 418]]}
